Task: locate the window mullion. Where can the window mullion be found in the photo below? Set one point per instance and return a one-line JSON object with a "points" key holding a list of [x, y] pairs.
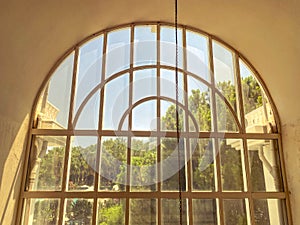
{"points": [[215, 129], [239, 91], [73, 89], [158, 122], [188, 153], [64, 179], [248, 179]]}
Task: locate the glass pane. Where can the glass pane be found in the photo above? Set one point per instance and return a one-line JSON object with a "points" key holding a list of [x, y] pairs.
{"points": [[117, 51], [145, 45], [144, 116], [225, 119], [259, 117], [235, 212], [168, 47], [203, 164], [232, 164], [83, 163], [197, 54], [116, 100], [144, 84], [78, 211], [224, 73], [113, 164], [111, 211], [87, 117], [205, 212], [53, 106], [46, 163], [269, 212], [168, 116], [199, 105], [170, 166], [41, 211], [264, 165], [142, 212], [168, 85], [143, 164], [89, 69], [170, 212]]}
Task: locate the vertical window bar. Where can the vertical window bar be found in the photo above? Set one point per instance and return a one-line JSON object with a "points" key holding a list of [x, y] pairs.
{"points": [[213, 88], [219, 179], [100, 121], [131, 73], [98, 155], [248, 179], [26, 211], [25, 174], [96, 183], [239, 91], [128, 181], [214, 112], [73, 88], [215, 128], [101, 112], [186, 110], [64, 179], [95, 206], [102, 74], [158, 122]]}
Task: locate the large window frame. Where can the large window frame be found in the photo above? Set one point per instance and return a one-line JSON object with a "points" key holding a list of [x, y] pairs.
{"points": [[215, 135]]}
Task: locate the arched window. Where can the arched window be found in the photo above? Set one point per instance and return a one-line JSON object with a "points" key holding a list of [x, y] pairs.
{"points": [[103, 148]]}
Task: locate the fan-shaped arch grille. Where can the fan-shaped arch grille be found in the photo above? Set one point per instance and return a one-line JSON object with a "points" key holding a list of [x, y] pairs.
{"points": [[103, 143]]}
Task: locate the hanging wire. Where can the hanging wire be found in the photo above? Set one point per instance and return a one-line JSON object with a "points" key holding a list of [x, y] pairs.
{"points": [[177, 115]]}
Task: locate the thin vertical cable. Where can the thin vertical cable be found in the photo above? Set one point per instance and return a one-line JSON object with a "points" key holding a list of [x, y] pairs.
{"points": [[177, 115]]}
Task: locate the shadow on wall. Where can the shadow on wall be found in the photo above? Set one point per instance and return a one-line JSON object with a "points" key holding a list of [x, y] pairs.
{"points": [[12, 145]]}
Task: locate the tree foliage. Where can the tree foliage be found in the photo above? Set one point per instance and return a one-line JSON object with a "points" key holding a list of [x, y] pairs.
{"points": [[50, 170], [79, 211]]}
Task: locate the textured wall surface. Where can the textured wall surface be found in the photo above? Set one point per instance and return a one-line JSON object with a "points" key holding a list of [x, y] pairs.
{"points": [[291, 148], [12, 146]]}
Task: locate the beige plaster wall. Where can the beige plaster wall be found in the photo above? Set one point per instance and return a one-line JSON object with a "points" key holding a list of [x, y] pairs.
{"points": [[12, 145], [291, 147]]}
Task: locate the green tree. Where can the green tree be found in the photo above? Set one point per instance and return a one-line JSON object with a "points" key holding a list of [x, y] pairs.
{"points": [[202, 164], [50, 170], [199, 106], [113, 163], [225, 118], [79, 212], [231, 167], [82, 166], [143, 161], [143, 211], [169, 119], [252, 93], [45, 212], [111, 212]]}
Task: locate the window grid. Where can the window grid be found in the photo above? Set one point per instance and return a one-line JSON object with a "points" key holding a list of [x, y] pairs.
{"points": [[219, 194]]}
